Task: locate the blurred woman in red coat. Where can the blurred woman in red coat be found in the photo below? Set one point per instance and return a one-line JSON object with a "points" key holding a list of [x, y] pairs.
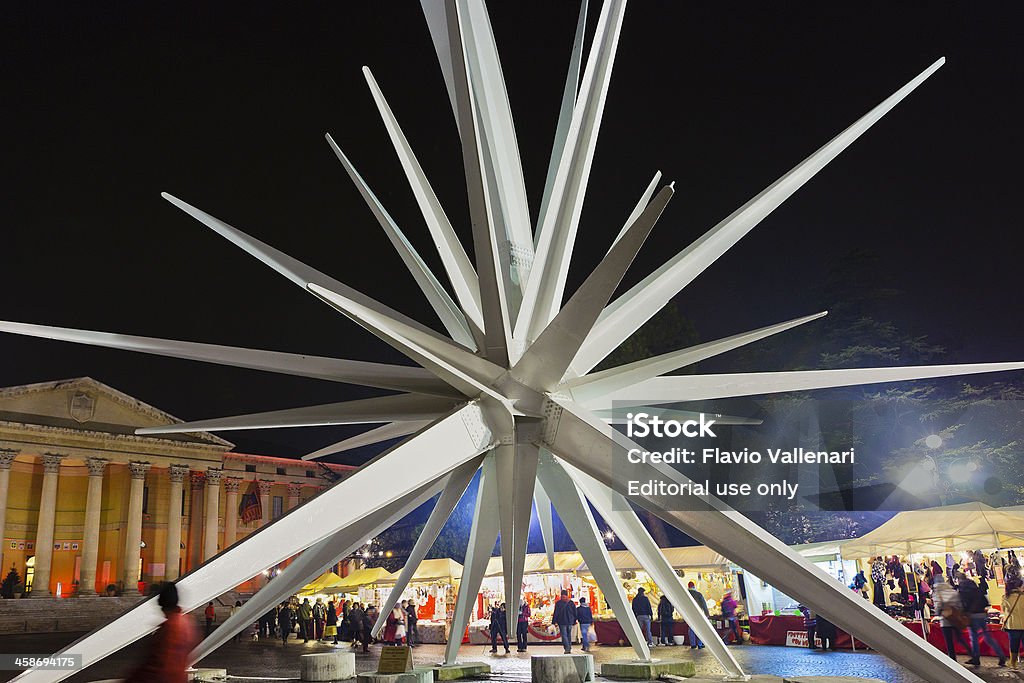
{"points": [[167, 658]]}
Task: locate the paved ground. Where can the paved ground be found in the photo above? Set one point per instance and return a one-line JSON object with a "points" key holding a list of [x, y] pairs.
{"points": [[249, 662]]}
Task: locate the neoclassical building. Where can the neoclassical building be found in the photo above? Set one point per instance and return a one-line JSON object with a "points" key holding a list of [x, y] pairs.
{"points": [[86, 503]]}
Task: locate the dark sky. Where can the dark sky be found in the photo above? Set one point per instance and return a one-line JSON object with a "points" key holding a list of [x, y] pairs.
{"points": [[105, 106]]}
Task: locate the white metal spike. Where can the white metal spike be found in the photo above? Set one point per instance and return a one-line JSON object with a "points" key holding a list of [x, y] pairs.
{"points": [[575, 514], [447, 311], [392, 430], [437, 12], [291, 268], [631, 310], [499, 141], [482, 536], [645, 199], [380, 375], [543, 295], [456, 263], [569, 92], [600, 384], [453, 363], [545, 521], [454, 440], [701, 387], [363, 411]]}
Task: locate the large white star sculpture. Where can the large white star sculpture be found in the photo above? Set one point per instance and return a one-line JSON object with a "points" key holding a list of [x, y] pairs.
{"points": [[511, 392]]}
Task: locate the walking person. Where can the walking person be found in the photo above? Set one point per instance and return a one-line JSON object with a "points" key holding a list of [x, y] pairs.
{"points": [[810, 625], [665, 611], [946, 603], [358, 624], [391, 627], [306, 619], [975, 604], [211, 615], [827, 634], [564, 616], [319, 619], [522, 627], [413, 635], [585, 617], [285, 621], [499, 627], [1013, 614], [698, 597], [167, 658], [331, 628], [729, 606], [644, 614]]}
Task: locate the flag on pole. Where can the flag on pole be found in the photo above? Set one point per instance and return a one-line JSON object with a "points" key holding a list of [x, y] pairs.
{"points": [[250, 509]]}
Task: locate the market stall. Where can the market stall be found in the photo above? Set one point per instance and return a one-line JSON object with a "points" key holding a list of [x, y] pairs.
{"points": [[316, 586], [542, 587], [971, 537], [432, 590], [709, 571]]}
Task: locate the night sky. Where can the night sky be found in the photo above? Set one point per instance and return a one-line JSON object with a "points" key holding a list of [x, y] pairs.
{"points": [[225, 106]]}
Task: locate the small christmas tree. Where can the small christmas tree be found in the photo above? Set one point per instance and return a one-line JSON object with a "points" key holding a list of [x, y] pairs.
{"points": [[11, 583]]}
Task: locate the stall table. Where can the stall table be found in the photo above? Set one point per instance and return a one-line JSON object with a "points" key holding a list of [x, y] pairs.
{"points": [[609, 631], [772, 629], [935, 638]]}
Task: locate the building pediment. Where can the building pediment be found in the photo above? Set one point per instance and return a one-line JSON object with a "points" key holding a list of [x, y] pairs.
{"points": [[88, 405]]}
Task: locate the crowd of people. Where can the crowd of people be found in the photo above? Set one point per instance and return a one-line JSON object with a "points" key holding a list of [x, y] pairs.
{"points": [[345, 621]]}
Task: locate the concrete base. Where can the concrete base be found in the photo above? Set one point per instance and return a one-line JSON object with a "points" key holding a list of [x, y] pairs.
{"points": [[562, 668], [414, 676], [453, 672], [647, 671], [327, 666], [205, 674]]}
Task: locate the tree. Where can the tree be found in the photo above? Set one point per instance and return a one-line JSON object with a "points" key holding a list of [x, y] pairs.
{"points": [[11, 583]]}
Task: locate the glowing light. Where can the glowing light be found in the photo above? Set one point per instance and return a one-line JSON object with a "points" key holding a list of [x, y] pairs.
{"points": [[933, 441]]}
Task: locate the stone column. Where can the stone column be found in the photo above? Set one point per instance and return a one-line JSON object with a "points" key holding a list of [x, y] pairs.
{"points": [[133, 531], [213, 475], [44, 528], [6, 458], [294, 493], [265, 486], [231, 485], [91, 529], [173, 551]]}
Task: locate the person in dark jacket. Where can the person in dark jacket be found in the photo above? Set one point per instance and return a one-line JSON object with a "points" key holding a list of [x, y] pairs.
{"points": [[332, 622], [810, 625], [499, 627], [698, 598], [412, 635], [586, 618], [360, 625], [975, 605], [665, 611], [564, 617], [285, 621], [523, 627], [644, 614], [827, 634]]}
